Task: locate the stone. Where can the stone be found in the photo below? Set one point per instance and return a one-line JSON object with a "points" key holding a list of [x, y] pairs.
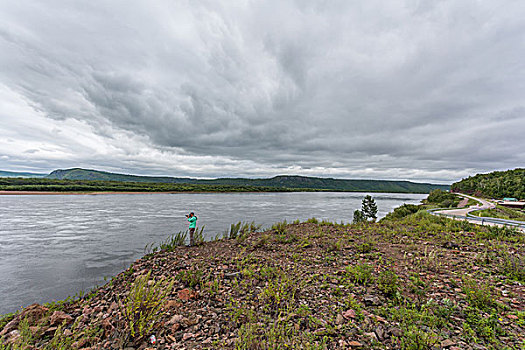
{"points": [[186, 294], [189, 321], [395, 331], [113, 307], [172, 304], [371, 300], [59, 317], [175, 319], [355, 344], [13, 336], [187, 336], [339, 319], [172, 339], [380, 333], [108, 326], [370, 335], [447, 343], [380, 319], [80, 343], [32, 314], [349, 314], [51, 330]]}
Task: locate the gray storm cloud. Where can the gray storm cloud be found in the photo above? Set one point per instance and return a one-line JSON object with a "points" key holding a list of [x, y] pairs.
{"points": [[403, 89]]}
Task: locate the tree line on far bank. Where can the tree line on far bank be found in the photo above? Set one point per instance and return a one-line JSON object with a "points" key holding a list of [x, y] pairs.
{"points": [[52, 185]]}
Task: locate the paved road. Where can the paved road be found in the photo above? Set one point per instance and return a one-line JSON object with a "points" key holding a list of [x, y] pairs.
{"points": [[482, 204], [462, 214]]}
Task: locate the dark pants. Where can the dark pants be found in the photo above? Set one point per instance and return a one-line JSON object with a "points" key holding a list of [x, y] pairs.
{"points": [[192, 231]]}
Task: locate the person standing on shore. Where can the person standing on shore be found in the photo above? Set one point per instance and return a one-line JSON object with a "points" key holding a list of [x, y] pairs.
{"points": [[192, 219]]}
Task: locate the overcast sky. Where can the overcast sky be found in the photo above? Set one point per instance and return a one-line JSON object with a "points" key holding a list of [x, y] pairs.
{"points": [[417, 90]]}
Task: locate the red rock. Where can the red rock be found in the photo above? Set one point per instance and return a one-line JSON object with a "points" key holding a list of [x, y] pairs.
{"points": [[172, 303], [339, 319], [187, 336], [186, 294], [512, 317], [59, 317], [33, 313], [380, 319], [349, 314], [113, 307], [79, 344], [13, 336], [175, 319], [447, 343], [51, 330], [355, 344], [108, 327]]}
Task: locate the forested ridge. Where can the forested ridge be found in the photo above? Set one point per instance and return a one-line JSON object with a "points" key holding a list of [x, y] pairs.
{"points": [[497, 184], [278, 182]]}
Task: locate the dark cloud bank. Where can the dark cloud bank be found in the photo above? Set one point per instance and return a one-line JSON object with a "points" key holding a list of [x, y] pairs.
{"points": [[419, 90]]}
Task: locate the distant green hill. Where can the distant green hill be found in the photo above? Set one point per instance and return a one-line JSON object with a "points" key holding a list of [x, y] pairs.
{"points": [[87, 174], [21, 174], [497, 184], [281, 182]]}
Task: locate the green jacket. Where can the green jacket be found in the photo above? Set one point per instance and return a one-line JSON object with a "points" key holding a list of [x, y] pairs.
{"points": [[192, 221]]}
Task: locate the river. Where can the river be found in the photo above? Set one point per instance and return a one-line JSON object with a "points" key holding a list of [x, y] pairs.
{"points": [[53, 246]]}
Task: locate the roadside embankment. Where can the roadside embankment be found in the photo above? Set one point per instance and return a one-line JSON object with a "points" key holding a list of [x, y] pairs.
{"points": [[412, 282]]}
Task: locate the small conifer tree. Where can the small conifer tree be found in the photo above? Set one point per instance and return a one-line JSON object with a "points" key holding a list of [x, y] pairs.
{"points": [[369, 208]]}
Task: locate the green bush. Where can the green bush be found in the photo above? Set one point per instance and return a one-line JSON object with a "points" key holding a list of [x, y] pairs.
{"points": [[359, 217], [443, 199], [402, 211]]}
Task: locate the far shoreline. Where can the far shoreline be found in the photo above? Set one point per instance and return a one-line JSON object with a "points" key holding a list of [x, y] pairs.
{"points": [[71, 193]]}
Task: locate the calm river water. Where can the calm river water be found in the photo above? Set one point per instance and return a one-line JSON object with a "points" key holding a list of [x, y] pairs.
{"points": [[54, 246]]}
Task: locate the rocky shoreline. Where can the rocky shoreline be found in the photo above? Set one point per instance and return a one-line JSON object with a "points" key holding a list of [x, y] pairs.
{"points": [[416, 282]]}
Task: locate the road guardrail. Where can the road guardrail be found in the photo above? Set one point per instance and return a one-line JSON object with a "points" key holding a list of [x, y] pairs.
{"points": [[512, 223]]}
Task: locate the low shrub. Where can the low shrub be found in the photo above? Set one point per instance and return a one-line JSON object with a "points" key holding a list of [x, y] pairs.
{"points": [[401, 212], [479, 295], [360, 274], [513, 266], [387, 282], [241, 229], [280, 227], [143, 304]]}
